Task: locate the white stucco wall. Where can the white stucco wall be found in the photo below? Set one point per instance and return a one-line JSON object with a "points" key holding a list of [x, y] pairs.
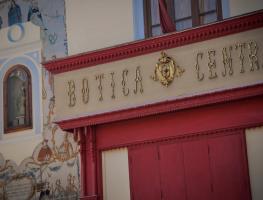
{"points": [[97, 24], [239, 7], [254, 139], [18, 146], [21, 45], [115, 170]]}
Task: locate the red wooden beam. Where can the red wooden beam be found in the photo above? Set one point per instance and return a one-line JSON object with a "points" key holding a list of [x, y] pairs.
{"points": [[196, 122]]}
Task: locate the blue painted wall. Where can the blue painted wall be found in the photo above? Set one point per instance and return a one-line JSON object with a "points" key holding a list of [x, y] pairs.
{"points": [[48, 14]]}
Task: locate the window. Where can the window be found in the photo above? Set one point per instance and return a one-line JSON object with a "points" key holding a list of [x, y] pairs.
{"points": [[184, 13], [17, 99]]}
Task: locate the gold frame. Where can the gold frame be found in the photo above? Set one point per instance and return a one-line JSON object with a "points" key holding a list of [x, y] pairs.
{"points": [[166, 69]]}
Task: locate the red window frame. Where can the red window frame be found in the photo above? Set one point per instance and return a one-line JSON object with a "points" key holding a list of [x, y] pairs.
{"points": [[196, 14]]}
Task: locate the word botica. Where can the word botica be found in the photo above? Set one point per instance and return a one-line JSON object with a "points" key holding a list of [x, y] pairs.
{"points": [[239, 58]]}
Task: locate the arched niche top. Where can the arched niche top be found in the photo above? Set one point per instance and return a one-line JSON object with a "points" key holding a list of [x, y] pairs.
{"points": [[17, 99]]}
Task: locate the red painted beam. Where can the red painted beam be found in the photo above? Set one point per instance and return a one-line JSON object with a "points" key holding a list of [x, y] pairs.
{"points": [[196, 122], [163, 107]]}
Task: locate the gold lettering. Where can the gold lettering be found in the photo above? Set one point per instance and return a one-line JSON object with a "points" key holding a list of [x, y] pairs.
{"points": [[99, 78], [253, 59], [138, 81], [212, 64], [85, 91], [71, 93], [241, 46], [112, 85], [200, 76], [227, 60], [125, 90]]}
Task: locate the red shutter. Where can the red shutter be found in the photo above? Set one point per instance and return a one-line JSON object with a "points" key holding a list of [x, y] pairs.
{"points": [[197, 170], [206, 168], [145, 178], [172, 172], [228, 168]]}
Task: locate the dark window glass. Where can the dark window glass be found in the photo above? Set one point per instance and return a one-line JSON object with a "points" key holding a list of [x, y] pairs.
{"points": [[17, 99], [184, 13], [207, 11], [182, 9]]}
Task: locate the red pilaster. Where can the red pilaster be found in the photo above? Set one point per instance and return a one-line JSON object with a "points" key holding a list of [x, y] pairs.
{"points": [[88, 163]]}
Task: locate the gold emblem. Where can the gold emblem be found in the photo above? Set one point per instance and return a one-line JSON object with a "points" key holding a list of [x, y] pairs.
{"points": [[166, 69]]}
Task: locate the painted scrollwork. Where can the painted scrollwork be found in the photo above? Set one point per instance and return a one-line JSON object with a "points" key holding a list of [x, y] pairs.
{"points": [[64, 151], [166, 69]]}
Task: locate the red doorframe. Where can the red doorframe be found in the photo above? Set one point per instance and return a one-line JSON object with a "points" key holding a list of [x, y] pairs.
{"points": [[223, 115]]}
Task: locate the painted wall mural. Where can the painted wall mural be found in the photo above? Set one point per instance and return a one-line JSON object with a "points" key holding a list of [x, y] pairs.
{"points": [[39, 179], [47, 14], [52, 171]]}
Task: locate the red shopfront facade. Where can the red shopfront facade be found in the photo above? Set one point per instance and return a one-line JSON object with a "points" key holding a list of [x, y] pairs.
{"points": [[186, 148]]}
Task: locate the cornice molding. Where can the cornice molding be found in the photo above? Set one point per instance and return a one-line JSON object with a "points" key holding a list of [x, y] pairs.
{"points": [[164, 107], [168, 41], [184, 137]]}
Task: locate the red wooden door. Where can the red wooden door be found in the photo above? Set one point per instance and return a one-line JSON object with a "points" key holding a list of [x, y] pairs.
{"points": [[205, 169], [197, 170], [172, 172], [229, 175], [145, 178]]}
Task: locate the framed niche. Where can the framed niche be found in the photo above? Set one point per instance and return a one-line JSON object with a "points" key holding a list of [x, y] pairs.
{"points": [[17, 99]]}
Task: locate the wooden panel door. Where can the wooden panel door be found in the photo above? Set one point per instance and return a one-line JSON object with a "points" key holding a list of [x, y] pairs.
{"points": [[228, 166], [206, 168], [197, 170], [172, 172], [145, 177]]}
